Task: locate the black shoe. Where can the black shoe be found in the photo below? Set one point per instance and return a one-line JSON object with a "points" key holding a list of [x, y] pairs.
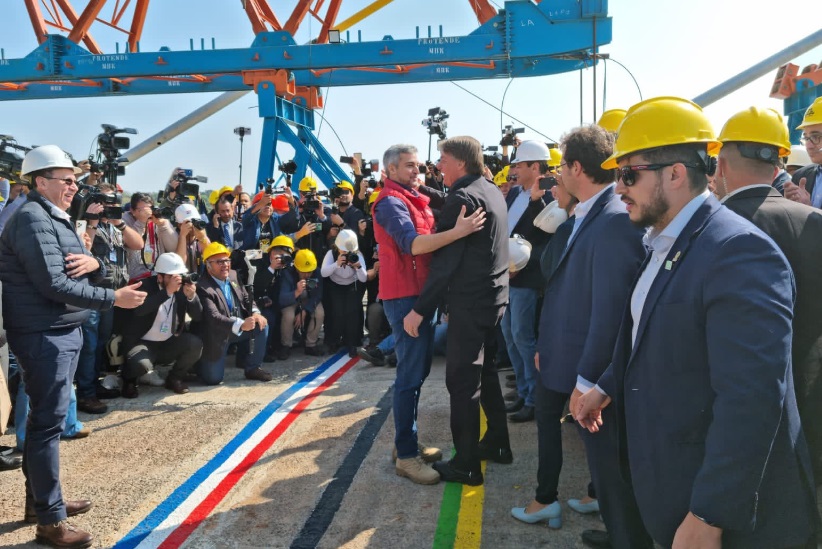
{"points": [[391, 359], [511, 396], [317, 350], [526, 413], [91, 406], [375, 356], [258, 374], [596, 538], [130, 388], [283, 353], [449, 474], [9, 463], [510, 377], [270, 357], [498, 455], [352, 352], [515, 406], [105, 394]]}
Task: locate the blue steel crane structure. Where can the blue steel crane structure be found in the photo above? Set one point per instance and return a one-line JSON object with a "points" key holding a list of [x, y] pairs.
{"points": [[523, 39]]}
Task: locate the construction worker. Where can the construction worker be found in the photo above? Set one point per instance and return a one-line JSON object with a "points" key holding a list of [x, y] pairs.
{"points": [[806, 184], [701, 371]]}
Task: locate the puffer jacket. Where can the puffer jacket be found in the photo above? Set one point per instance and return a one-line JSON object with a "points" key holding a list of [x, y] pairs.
{"points": [[38, 295]]}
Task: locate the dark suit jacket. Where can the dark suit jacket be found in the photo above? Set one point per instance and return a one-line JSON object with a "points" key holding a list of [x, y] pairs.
{"points": [[586, 295], [136, 322], [471, 272], [809, 173], [216, 324], [797, 230], [705, 403], [530, 276], [215, 234]]}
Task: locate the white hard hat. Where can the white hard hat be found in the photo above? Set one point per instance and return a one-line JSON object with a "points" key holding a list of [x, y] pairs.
{"points": [[519, 252], [531, 151], [798, 157], [346, 241], [170, 263], [550, 218], [184, 212], [44, 158]]}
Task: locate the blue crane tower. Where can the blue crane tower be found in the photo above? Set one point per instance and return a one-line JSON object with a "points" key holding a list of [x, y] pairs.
{"points": [[522, 39]]}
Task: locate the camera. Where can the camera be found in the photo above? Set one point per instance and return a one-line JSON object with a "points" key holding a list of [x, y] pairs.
{"points": [[109, 145], [311, 283], [347, 159], [11, 163], [164, 213], [289, 167], [371, 182], [508, 133], [312, 200], [547, 183], [436, 122], [198, 224], [286, 260], [190, 278], [88, 195], [492, 159], [351, 257]]}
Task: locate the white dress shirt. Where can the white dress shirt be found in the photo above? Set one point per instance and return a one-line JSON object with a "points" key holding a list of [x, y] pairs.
{"points": [[582, 210]]}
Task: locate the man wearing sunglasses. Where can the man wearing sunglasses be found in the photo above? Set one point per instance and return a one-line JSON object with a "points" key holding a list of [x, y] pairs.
{"points": [[709, 432], [47, 277], [806, 184]]}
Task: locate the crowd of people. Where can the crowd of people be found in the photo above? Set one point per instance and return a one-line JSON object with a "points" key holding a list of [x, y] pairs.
{"points": [[644, 278]]}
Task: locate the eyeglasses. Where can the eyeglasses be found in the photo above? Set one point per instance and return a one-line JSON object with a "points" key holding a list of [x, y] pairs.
{"points": [[814, 138], [67, 181], [627, 174], [221, 262]]}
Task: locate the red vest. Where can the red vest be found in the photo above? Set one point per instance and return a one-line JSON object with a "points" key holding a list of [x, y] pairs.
{"points": [[401, 274]]}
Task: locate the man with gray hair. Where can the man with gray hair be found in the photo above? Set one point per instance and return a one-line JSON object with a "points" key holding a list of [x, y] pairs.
{"points": [[403, 227], [473, 273]]}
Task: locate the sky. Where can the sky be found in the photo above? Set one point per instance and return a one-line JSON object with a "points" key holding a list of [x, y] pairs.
{"points": [[670, 47]]}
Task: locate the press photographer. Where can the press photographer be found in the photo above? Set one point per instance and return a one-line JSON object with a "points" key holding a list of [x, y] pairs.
{"points": [[267, 283], [158, 234], [312, 223], [229, 232], [344, 271], [193, 238], [301, 295], [265, 220]]}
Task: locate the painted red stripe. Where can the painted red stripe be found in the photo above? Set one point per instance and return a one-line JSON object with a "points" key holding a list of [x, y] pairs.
{"points": [[204, 509]]}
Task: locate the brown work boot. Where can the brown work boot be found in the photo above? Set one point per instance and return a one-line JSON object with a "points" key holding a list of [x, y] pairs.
{"points": [[64, 535], [417, 470], [73, 508], [429, 454]]}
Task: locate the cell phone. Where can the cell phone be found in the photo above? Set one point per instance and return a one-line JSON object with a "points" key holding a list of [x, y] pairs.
{"points": [[80, 226], [547, 183], [347, 159], [318, 227]]}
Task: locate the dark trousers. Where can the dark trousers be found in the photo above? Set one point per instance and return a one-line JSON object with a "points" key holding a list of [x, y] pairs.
{"points": [[346, 314], [49, 360], [617, 503], [183, 350], [548, 410], [471, 379]]}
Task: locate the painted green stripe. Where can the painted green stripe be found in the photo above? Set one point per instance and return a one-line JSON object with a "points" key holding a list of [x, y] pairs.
{"points": [[446, 533]]}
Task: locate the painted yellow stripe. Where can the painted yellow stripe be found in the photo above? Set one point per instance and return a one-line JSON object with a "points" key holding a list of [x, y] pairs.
{"points": [[362, 14], [469, 522]]}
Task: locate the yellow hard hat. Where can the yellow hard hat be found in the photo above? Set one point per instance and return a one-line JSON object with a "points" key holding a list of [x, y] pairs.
{"points": [[346, 185], [281, 241], [502, 176], [373, 196], [758, 125], [662, 122], [556, 158], [611, 119], [215, 248], [305, 261], [215, 195], [308, 183], [813, 115]]}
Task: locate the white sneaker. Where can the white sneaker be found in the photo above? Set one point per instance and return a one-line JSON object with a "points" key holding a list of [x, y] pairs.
{"points": [[111, 382], [152, 378]]}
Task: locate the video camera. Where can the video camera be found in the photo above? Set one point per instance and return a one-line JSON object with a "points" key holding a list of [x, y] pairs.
{"points": [[492, 159], [11, 163], [508, 133], [109, 145], [88, 195], [435, 123], [288, 168], [186, 192], [313, 201]]}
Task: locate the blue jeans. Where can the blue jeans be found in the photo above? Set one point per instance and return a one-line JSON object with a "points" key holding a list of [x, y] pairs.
{"points": [[87, 372], [21, 412], [387, 344], [521, 339], [413, 365], [212, 372]]}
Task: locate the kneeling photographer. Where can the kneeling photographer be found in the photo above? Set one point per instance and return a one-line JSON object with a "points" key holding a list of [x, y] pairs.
{"points": [[111, 239], [267, 282], [301, 294], [155, 332]]}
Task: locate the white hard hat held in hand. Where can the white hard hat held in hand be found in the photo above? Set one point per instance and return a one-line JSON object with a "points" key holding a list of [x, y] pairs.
{"points": [[519, 252]]}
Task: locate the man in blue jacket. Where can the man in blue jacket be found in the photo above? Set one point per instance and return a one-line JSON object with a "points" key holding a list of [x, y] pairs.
{"points": [[709, 432], [47, 296]]}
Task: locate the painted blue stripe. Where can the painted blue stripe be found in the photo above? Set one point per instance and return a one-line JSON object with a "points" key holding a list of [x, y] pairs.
{"points": [[162, 511]]}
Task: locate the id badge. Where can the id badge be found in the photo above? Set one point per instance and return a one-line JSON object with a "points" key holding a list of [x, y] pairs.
{"points": [[165, 328], [112, 256]]}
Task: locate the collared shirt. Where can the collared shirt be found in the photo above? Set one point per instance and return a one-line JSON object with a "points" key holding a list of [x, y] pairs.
{"points": [[816, 196], [518, 207], [228, 233], [745, 188], [582, 210], [161, 329], [659, 245], [225, 286]]}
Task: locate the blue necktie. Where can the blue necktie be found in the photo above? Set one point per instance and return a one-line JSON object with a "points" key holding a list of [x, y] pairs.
{"points": [[226, 235], [227, 294]]}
